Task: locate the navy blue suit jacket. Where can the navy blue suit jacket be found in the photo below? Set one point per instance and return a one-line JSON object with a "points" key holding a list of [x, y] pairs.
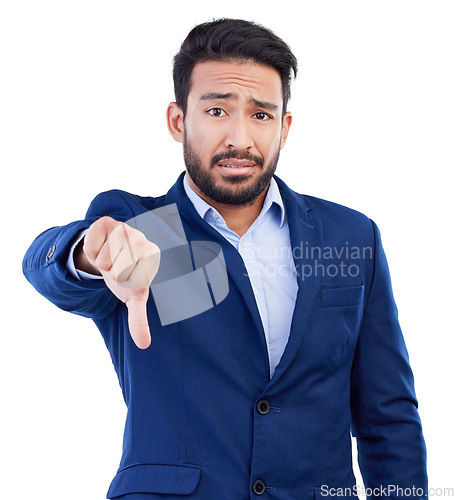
{"points": [[194, 427]]}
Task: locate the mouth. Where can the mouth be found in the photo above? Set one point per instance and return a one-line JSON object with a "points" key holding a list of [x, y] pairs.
{"points": [[234, 166]]}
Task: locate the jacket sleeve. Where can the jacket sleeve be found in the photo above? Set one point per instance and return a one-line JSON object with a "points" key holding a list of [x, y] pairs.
{"points": [[384, 416], [44, 264]]}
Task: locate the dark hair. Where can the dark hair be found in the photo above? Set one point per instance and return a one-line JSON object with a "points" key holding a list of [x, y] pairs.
{"points": [[232, 40]]}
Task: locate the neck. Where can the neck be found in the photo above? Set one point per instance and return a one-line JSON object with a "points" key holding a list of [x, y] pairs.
{"points": [[238, 218]]}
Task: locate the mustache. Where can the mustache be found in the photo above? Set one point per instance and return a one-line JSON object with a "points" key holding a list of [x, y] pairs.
{"points": [[238, 155]]}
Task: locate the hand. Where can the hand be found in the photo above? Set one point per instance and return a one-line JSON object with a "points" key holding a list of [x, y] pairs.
{"points": [[128, 263]]}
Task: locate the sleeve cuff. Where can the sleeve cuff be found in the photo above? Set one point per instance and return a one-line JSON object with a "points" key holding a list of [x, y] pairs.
{"points": [[77, 274]]}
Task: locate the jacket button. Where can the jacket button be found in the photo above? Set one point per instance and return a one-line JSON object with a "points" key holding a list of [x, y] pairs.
{"points": [[263, 407], [50, 253], [258, 487]]}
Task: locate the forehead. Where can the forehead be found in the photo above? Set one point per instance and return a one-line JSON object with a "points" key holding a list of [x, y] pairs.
{"points": [[255, 80]]}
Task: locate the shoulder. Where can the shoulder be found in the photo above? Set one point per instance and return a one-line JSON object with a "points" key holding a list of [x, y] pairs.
{"points": [[120, 204], [339, 223], [343, 225], [330, 211]]}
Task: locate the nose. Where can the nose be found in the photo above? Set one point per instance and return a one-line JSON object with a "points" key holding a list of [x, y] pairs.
{"points": [[238, 134]]}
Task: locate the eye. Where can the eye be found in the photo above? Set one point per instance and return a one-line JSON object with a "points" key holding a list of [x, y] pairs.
{"points": [[215, 112], [263, 116]]}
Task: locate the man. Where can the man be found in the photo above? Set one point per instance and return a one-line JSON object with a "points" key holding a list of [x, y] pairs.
{"points": [[254, 394]]}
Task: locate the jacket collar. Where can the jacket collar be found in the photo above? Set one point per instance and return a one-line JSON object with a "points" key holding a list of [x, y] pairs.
{"points": [[291, 199], [204, 209]]}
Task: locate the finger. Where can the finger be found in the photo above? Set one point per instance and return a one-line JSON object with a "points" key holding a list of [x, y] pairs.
{"points": [[93, 242], [103, 242], [137, 320], [123, 267], [103, 260], [137, 270], [127, 258], [116, 246], [143, 272]]}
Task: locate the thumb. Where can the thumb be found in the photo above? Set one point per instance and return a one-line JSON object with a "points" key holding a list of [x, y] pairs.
{"points": [[137, 319]]}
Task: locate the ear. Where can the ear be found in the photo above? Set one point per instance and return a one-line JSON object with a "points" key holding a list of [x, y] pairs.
{"points": [[287, 121], [175, 121]]}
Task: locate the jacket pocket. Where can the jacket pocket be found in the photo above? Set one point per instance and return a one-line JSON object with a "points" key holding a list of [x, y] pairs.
{"points": [[155, 478], [338, 297]]}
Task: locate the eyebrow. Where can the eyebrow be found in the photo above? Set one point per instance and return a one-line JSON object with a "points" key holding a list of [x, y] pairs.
{"points": [[211, 96]]}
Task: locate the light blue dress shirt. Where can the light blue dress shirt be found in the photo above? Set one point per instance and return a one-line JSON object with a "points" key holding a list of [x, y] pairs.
{"points": [[266, 251]]}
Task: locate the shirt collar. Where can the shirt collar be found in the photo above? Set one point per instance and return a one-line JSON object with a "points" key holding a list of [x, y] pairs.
{"points": [[203, 208]]}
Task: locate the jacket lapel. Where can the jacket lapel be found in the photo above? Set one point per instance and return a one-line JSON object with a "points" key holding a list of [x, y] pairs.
{"points": [[305, 233], [197, 229]]}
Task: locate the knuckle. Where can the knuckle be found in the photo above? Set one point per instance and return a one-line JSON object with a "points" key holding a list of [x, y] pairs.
{"points": [[105, 225], [101, 262], [135, 235], [102, 222], [154, 248]]}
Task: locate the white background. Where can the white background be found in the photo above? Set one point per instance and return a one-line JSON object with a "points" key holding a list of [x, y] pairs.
{"points": [[84, 89]]}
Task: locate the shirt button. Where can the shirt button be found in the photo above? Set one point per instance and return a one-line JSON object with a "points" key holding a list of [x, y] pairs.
{"points": [[214, 215], [263, 407], [243, 243], [258, 487], [255, 290], [50, 253]]}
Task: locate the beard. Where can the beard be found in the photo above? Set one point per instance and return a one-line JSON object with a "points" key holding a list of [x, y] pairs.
{"points": [[242, 192]]}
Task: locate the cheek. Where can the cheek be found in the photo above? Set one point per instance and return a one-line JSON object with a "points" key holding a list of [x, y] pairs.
{"points": [[204, 140], [269, 145], [201, 146]]}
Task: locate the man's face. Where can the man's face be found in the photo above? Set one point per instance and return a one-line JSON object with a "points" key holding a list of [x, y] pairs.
{"points": [[233, 130]]}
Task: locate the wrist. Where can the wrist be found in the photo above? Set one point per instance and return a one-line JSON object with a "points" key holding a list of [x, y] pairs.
{"points": [[81, 262]]}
